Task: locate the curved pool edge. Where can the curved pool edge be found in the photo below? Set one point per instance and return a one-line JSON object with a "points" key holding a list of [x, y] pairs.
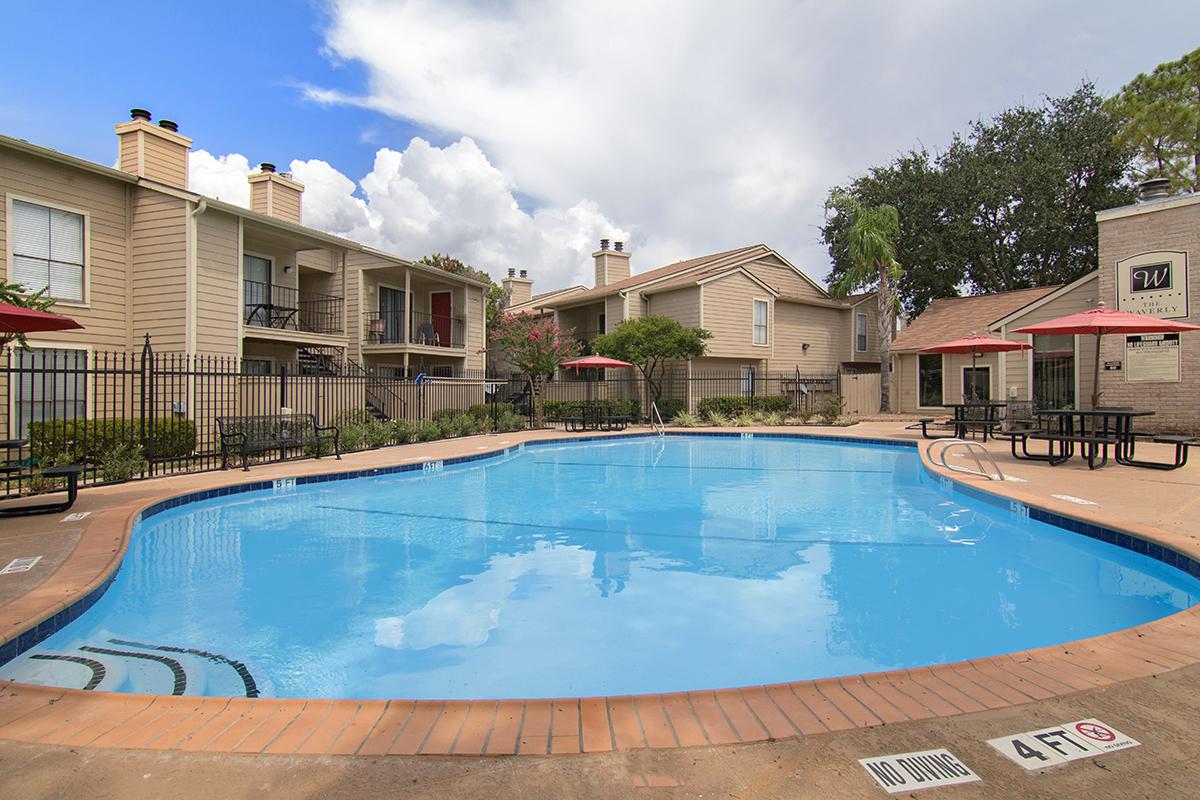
{"points": [[49, 715]]}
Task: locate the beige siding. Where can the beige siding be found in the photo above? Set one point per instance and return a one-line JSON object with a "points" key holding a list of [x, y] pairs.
{"points": [[904, 380], [614, 312], [163, 161], [681, 305], [127, 152], [871, 308], [103, 201], [822, 329], [160, 269], [323, 260], [258, 197], [639, 306], [285, 203], [784, 279], [475, 322], [729, 315], [218, 294]]}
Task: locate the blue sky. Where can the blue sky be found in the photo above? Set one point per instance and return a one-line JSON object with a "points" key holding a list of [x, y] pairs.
{"points": [[226, 71], [518, 134]]}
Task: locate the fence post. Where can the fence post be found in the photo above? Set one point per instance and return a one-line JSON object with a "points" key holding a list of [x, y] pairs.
{"points": [[147, 422], [282, 386]]}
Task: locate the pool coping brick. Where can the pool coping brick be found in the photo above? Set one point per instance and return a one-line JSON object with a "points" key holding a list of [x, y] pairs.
{"points": [[726, 715]]}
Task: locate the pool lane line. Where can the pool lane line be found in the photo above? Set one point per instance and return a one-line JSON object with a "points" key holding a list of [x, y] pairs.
{"points": [[97, 668], [176, 668], [577, 529], [238, 667], [690, 467]]}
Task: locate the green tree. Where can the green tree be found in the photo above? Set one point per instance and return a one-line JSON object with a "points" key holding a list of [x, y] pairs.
{"points": [[1159, 118], [1008, 205], [534, 346], [871, 234], [649, 343], [14, 294], [495, 297]]}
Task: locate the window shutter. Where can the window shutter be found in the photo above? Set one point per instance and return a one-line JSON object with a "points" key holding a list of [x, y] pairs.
{"points": [[30, 230]]}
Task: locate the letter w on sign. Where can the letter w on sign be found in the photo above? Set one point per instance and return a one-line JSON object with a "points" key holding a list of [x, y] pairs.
{"points": [[1149, 278]]}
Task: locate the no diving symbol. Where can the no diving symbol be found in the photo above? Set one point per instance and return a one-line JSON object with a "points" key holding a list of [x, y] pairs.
{"points": [[1095, 732]]}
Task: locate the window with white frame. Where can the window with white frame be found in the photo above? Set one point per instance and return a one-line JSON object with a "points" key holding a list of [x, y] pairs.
{"points": [[47, 250], [860, 333], [760, 321]]}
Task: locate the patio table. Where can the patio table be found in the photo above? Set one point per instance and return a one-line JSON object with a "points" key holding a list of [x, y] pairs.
{"points": [[987, 420], [1109, 427]]}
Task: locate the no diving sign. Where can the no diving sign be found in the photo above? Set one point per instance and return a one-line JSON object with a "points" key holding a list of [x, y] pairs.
{"points": [[927, 769], [1061, 744]]}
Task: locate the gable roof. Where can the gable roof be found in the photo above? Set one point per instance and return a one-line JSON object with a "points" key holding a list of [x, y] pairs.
{"points": [[539, 300], [949, 318], [643, 278]]}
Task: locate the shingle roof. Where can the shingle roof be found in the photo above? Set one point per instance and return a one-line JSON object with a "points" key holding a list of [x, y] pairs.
{"points": [[539, 300], [949, 318], [655, 274]]}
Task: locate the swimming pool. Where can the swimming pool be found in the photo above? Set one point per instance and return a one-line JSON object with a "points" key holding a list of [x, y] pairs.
{"points": [[623, 566]]}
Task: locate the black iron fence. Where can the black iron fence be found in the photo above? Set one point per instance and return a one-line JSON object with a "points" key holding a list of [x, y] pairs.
{"points": [[267, 305], [128, 415]]}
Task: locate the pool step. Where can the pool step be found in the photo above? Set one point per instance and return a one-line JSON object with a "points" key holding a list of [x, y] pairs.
{"points": [[122, 665]]}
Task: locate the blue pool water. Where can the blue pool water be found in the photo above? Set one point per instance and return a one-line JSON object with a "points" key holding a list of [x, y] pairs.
{"points": [[634, 565]]}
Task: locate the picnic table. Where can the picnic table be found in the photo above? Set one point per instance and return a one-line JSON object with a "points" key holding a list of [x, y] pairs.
{"points": [[982, 416], [1093, 430], [593, 416]]}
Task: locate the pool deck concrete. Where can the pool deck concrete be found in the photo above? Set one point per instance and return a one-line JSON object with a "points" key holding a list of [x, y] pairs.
{"points": [[789, 740]]}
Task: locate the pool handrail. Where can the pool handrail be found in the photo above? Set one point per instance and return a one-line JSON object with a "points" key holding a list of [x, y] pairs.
{"points": [[975, 449]]}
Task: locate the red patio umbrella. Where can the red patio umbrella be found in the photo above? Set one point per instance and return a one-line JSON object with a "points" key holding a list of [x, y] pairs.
{"points": [[15, 319], [976, 344], [1101, 320], [594, 362]]}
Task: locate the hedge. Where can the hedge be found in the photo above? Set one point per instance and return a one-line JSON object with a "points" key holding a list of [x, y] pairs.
{"points": [[732, 406], [78, 440]]}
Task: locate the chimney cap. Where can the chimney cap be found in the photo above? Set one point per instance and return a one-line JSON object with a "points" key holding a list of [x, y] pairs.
{"points": [[604, 244], [512, 272], [619, 246], [169, 124], [267, 166], [1153, 188], [139, 113], [524, 273]]}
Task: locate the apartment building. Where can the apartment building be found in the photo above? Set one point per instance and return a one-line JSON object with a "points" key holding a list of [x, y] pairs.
{"points": [[133, 251], [766, 316]]}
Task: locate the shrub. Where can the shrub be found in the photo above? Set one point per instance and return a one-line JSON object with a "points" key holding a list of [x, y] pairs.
{"points": [[354, 416], [845, 421], [377, 433], [122, 462], [773, 418], [717, 418], [79, 440], [830, 409], [401, 431], [730, 406], [428, 431], [685, 420], [509, 421], [352, 438], [743, 420], [446, 413], [671, 408]]}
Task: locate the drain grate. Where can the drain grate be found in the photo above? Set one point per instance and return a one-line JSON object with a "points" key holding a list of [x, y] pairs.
{"points": [[20, 565]]}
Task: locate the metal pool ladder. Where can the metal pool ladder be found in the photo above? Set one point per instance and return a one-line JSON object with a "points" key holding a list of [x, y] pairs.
{"points": [[976, 450], [656, 419]]}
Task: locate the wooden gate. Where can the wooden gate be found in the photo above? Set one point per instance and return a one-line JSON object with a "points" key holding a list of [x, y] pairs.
{"points": [[861, 393]]}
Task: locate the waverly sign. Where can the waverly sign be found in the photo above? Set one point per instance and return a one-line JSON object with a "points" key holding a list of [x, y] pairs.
{"points": [[1155, 284]]}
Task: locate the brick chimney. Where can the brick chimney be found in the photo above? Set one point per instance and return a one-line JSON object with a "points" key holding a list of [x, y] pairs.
{"points": [[612, 265], [155, 152], [275, 194], [520, 289]]}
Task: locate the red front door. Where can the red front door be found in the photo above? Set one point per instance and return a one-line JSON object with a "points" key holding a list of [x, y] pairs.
{"points": [[439, 307]]}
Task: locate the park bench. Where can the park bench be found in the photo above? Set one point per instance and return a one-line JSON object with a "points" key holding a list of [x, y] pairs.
{"points": [[275, 433]]}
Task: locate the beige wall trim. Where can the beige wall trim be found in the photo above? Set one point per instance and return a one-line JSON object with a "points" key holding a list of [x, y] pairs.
{"points": [[1148, 208], [192, 238], [241, 286]]}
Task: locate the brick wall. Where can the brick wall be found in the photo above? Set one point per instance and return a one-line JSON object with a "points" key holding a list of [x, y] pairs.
{"points": [[1176, 227]]}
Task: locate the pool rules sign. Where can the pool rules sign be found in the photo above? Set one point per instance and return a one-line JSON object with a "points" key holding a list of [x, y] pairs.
{"points": [[927, 769], [1062, 744]]}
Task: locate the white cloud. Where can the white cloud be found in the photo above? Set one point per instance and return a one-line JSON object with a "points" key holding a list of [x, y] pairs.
{"points": [[703, 124], [424, 199]]}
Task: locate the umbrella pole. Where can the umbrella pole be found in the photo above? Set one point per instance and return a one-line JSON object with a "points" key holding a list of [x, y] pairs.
{"points": [[1096, 376]]}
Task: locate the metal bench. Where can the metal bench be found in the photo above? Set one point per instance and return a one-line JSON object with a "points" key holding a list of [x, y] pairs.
{"points": [[69, 471], [254, 435], [1181, 452], [1093, 444]]}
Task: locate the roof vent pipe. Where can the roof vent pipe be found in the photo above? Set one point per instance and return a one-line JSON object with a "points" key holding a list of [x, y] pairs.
{"points": [[139, 113], [604, 244], [169, 125], [619, 246], [1154, 188]]}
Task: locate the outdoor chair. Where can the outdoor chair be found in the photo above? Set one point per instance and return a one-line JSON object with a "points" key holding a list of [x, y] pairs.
{"points": [[427, 335]]}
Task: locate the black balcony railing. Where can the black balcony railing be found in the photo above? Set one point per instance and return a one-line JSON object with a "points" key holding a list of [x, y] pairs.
{"points": [[434, 330], [267, 305]]}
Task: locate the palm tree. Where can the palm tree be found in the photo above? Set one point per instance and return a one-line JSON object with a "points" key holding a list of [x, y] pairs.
{"points": [[871, 236]]}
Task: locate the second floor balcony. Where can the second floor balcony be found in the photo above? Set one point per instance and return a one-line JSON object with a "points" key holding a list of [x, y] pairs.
{"points": [[431, 330], [267, 305]]}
